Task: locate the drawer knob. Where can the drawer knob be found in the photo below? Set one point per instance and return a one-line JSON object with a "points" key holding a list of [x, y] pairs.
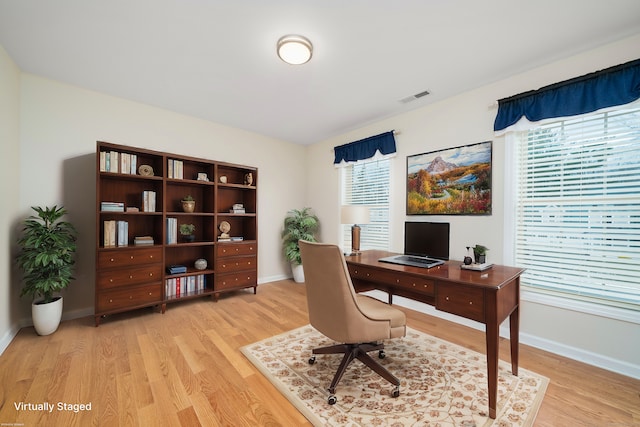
{"points": [[446, 298], [224, 265], [130, 296], [130, 277], [413, 284], [149, 293], [110, 300], [110, 280], [237, 263], [150, 274], [470, 302], [425, 286], [397, 280], [131, 256], [112, 260], [151, 256]]}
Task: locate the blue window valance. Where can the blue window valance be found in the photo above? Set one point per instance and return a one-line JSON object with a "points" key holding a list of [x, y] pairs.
{"points": [[613, 86], [366, 148]]}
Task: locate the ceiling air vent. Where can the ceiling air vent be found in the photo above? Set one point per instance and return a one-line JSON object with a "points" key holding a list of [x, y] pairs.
{"points": [[414, 97]]}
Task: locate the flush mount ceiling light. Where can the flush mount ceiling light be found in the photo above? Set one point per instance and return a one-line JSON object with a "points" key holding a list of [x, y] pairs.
{"points": [[294, 49]]}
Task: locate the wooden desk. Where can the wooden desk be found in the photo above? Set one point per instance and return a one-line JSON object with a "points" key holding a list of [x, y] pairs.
{"points": [[488, 297]]}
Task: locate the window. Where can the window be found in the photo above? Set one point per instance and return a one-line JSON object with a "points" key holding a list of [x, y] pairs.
{"points": [[577, 218], [367, 183]]}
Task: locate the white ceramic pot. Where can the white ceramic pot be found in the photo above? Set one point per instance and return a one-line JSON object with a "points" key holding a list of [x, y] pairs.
{"points": [[298, 273], [46, 317]]}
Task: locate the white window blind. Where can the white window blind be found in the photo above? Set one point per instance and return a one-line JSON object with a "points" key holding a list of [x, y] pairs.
{"points": [[367, 183], [578, 207]]}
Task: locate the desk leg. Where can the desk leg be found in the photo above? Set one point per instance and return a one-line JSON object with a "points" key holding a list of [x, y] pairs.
{"points": [[514, 331], [492, 365]]}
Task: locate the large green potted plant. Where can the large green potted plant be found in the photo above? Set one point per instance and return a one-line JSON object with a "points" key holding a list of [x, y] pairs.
{"points": [[46, 257], [298, 225]]}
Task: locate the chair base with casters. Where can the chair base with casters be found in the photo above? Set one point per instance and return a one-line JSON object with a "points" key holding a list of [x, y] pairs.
{"points": [[352, 352]]}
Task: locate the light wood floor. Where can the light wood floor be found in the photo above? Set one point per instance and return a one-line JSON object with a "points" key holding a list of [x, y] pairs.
{"points": [[184, 368]]}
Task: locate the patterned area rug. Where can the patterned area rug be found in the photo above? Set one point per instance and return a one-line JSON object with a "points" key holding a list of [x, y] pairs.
{"points": [[442, 384]]}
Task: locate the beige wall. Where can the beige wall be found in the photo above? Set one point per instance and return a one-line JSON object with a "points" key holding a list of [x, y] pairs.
{"points": [[60, 125], [465, 119], [9, 180]]}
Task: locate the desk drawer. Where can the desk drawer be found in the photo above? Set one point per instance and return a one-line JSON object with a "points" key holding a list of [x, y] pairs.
{"points": [[464, 301], [393, 279]]}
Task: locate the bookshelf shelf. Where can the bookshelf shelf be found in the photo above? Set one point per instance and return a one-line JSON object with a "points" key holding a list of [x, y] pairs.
{"points": [[134, 248]]}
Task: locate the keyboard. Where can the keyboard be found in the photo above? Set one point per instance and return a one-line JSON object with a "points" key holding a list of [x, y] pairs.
{"points": [[414, 261]]}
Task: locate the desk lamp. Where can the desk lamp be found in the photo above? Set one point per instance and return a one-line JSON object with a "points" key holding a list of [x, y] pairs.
{"points": [[354, 214]]}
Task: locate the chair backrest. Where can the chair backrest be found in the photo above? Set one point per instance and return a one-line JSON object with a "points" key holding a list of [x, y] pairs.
{"points": [[331, 298]]}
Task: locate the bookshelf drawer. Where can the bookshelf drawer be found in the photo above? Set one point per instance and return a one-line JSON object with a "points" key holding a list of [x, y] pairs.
{"points": [[129, 276], [114, 258], [232, 249], [130, 297], [245, 279], [227, 265]]}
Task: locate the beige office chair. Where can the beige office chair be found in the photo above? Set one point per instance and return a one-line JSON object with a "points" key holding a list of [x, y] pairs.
{"points": [[356, 321]]}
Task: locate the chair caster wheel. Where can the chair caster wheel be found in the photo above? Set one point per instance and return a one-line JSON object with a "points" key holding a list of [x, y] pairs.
{"points": [[381, 354], [312, 360], [396, 392], [332, 400]]}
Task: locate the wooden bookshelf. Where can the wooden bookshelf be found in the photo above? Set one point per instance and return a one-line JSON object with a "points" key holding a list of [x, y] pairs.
{"points": [[138, 216]]}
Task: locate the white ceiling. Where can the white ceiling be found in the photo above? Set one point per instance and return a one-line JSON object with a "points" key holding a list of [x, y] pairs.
{"points": [[216, 59]]}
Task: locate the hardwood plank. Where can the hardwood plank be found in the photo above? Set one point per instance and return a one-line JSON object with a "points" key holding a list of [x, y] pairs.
{"points": [[185, 368]]}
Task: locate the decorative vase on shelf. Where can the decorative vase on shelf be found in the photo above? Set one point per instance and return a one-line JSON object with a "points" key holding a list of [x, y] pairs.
{"points": [[188, 206]]}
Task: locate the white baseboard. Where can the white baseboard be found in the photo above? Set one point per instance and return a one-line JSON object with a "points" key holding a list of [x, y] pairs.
{"points": [[575, 353]]}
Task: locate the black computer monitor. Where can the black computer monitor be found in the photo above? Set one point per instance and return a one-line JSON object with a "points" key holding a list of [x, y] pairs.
{"points": [[429, 239]]}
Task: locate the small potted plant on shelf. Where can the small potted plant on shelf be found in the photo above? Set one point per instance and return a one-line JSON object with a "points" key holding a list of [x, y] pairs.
{"points": [[46, 258], [480, 254], [186, 230], [188, 204], [298, 225]]}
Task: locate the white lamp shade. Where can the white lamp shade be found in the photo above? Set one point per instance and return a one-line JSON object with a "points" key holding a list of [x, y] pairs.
{"points": [[294, 49], [353, 214]]}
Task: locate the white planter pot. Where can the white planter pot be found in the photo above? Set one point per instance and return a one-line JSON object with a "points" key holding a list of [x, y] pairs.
{"points": [[46, 317], [298, 273]]}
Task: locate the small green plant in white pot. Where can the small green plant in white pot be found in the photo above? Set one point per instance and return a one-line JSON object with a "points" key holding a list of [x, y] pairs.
{"points": [[298, 225], [46, 257]]}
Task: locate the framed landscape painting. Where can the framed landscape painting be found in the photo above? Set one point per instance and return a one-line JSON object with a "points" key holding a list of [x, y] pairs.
{"points": [[454, 181]]}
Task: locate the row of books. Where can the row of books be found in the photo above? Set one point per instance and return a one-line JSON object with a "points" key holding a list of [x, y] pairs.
{"points": [[185, 285], [116, 233], [116, 162], [175, 169]]}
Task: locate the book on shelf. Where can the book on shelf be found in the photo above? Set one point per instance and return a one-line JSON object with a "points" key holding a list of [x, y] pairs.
{"points": [[172, 230], [143, 240], [112, 206], [116, 233], [148, 201], [175, 169], [176, 269], [237, 208]]}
